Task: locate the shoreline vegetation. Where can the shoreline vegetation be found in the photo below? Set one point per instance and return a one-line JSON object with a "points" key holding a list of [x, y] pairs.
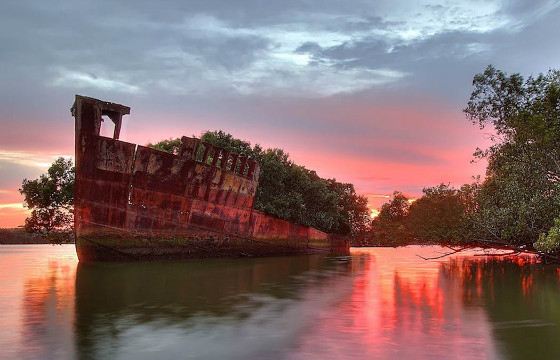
{"points": [[19, 236], [515, 206]]}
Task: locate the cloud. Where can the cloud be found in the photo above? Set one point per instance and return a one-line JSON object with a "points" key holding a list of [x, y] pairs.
{"points": [[18, 165], [28, 159], [246, 49], [317, 80], [198, 54], [16, 206], [79, 80]]}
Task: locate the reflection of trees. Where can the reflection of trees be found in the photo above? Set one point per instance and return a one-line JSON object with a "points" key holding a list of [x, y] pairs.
{"points": [[521, 298], [48, 311], [407, 308], [113, 297], [478, 307], [402, 307]]}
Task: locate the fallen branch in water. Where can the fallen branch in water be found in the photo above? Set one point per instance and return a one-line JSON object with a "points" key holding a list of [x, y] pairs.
{"points": [[524, 248], [514, 252], [497, 245], [454, 251]]}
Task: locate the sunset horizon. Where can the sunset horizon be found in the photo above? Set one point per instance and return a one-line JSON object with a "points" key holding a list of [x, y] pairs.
{"points": [[370, 94]]}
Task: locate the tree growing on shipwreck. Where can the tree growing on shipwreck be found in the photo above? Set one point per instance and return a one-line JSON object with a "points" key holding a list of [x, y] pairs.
{"points": [[291, 191], [286, 190]]}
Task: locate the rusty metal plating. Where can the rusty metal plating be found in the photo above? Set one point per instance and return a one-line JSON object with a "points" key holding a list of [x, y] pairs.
{"points": [[137, 202]]}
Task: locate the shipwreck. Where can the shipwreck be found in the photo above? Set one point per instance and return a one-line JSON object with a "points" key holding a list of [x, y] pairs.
{"points": [[133, 202]]}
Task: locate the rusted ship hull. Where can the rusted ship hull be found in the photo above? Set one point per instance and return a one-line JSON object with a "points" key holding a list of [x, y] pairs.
{"points": [[134, 202]]}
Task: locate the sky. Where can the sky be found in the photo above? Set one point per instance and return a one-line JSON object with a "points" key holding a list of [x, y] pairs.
{"points": [[367, 92]]}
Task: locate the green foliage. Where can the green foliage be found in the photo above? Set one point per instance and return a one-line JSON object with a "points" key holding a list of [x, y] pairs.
{"points": [[352, 212], [292, 192], [389, 227], [518, 202], [227, 141], [396, 210], [439, 216], [550, 242], [171, 145], [50, 199], [519, 199]]}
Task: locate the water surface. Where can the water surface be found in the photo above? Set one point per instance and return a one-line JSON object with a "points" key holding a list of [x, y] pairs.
{"points": [[378, 303]]}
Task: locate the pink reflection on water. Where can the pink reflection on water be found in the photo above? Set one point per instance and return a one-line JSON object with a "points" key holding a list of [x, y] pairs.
{"points": [[401, 307], [393, 305], [37, 301]]}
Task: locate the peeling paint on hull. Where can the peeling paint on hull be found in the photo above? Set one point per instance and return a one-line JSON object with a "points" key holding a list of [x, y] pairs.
{"points": [[136, 203]]}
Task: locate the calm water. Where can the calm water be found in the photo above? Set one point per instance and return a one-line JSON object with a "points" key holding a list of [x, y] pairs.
{"points": [[377, 303]]}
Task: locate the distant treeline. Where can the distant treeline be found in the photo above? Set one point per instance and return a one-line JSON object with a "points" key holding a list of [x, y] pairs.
{"points": [[517, 203], [20, 236]]}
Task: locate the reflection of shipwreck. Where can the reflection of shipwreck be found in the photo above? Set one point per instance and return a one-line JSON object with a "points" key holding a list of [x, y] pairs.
{"points": [[135, 202]]}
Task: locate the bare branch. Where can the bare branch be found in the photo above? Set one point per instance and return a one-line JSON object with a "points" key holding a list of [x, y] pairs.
{"points": [[455, 251], [513, 252]]}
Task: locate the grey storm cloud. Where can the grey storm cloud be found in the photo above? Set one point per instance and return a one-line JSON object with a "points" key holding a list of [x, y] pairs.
{"points": [[292, 47]]}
